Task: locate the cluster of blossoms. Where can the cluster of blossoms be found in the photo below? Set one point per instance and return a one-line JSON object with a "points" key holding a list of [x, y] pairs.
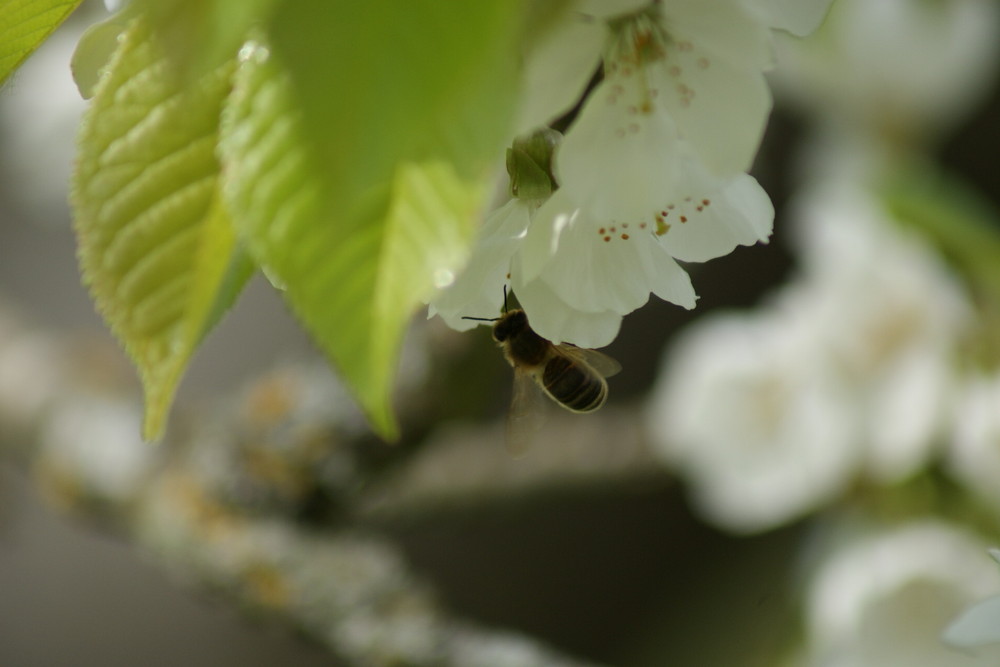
{"points": [[847, 369], [852, 366], [651, 171], [883, 597], [865, 372]]}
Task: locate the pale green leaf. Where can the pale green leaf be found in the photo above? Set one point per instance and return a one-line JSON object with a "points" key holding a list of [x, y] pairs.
{"points": [[94, 51], [156, 246], [24, 24], [197, 34], [359, 150], [957, 220]]}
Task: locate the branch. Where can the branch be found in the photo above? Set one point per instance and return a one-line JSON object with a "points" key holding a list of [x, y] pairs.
{"points": [[222, 505]]}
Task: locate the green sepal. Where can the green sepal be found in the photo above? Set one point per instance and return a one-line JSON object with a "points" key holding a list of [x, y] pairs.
{"points": [[529, 165]]}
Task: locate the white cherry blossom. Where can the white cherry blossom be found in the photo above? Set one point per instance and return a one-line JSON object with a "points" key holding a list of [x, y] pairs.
{"points": [[705, 58], [650, 172], [753, 419], [593, 268], [896, 66], [847, 372], [562, 58], [478, 291], [977, 628], [891, 313], [973, 454], [884, 599]]}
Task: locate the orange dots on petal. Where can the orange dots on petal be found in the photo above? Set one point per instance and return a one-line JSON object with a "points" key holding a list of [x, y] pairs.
{"points": [[624, 237]]}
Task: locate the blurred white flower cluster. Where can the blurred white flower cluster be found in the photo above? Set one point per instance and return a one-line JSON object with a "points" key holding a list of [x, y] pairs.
{"points": [[859, 385], [846, 371], [651, 171], [882, 599]]}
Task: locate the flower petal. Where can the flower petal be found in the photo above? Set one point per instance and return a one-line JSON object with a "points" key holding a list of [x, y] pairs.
{"points": [[976, 626], [604, 267], [716, 217], [478, 291], [618, 159], [553, 319], [720, 108], [723, 30], [542, 238], [608, 9], [799, 17], [558, 69]]}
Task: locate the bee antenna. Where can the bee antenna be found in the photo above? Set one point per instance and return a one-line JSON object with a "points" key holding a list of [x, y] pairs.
{"points": [[504, 299], [482, 319]]}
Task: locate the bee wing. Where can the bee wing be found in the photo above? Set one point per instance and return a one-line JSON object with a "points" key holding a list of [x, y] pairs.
{"points": [[604, 365], [527, 412]]}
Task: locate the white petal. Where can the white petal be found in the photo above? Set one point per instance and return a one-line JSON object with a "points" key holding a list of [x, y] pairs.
{"points": [[907, 410], [542, 238], [553, 319], [619, 159], [478, 291], [606, 9], [976, 626], [920, 64], [973, 455], [748, 413], [718, 29], [883, 600], [720, 108], [602, 267], [558, 69], [716, 216], [799, 17]]}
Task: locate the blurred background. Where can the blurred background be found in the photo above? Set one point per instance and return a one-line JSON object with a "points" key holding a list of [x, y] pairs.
{"points": [[803, 470]]}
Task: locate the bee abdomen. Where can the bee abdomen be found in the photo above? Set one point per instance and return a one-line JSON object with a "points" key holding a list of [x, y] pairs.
{"points": [[574, 386]]}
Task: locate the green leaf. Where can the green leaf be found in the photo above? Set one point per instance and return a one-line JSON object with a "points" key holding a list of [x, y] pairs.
{"points": [[956, 219], [156, 245], [358, 152], [198, 34], [94, 50], [24, 25]]}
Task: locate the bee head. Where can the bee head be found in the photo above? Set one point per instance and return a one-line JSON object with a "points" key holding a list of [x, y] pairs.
{"points": [[512, 323]]}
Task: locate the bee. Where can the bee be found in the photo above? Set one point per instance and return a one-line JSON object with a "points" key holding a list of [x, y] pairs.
{"points": [[573, 377]]}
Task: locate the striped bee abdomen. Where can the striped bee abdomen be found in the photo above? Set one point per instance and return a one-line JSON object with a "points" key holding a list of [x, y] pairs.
{"points": [[573, 385]]}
